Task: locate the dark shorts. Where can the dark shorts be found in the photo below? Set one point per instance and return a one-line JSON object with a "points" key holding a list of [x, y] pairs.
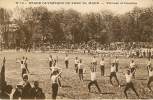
{"points": [[132, 69], [66, 62], [80, 71]]}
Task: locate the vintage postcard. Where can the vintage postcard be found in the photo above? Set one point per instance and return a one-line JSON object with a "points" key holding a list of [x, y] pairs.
{"points": [[76, 49]]}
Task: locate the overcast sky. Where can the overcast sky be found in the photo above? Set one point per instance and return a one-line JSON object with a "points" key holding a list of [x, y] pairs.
{"points": [[116, 8]]}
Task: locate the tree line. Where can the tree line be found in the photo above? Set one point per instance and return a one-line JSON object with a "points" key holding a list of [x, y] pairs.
{"points": [[39, 23]]}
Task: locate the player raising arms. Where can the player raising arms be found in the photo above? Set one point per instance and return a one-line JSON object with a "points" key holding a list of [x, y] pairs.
{"points": [[113, 74], [23, 68], [132, 68], [93, 81], [54, 79], [129, 83]]}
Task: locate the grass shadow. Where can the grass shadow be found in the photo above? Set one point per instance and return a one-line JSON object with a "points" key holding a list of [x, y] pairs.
{"points": [[66, 86]]}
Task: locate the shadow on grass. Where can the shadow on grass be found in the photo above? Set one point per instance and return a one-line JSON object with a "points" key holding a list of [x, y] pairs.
{"points": [[141, 79], [66, 86], [103, 93], [86, 80], [108, 93]]}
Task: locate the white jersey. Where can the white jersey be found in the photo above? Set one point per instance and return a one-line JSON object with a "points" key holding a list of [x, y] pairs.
{"points": [[94, 60], [113, 68], [66, 58], [149, 63], [80, 66], [102, 62], [76, 61], [128, 78], [93, 76], [54, 78], [132, 65], [150, 73], [50, 59], [116, 61], [22, 66]]}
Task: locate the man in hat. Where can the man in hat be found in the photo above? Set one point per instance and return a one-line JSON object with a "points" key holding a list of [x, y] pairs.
{"points": [[6, 93], [23, 89], [36, 91]]}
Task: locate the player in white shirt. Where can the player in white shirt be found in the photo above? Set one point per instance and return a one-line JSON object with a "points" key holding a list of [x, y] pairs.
{"points": [[129, 84], [94, 63], [150, 78], [76, 61], [54, 79], [80, 69], [66, 61], [93, 81], [102, 67], [132, 68], [55, 68], [50, 58], [25, 63], [23, 68], [113, 74], [116, 61]]}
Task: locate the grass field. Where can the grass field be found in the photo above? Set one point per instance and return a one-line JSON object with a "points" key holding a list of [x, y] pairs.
{"points": [[73, 88]]}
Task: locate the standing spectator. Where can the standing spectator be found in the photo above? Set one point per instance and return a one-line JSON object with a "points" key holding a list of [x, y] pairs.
{"points": [[80, 69], [102, 67], [36, 92], [66, 61], [76, 64]]}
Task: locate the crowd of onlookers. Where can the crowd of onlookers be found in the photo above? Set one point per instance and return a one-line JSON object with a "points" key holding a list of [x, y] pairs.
{"points": [[23, 90]]}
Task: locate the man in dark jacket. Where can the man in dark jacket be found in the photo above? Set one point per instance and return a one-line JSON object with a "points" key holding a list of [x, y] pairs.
{"points": [[36, 92]]}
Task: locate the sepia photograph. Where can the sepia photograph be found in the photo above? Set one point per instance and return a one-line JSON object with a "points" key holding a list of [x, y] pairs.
{"points": [[76, 49]]}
